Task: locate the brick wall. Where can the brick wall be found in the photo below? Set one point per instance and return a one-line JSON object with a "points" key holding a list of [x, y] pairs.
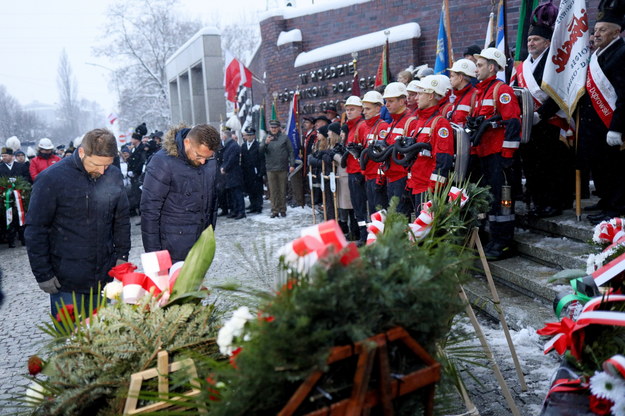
{"points": [[468, 26]]}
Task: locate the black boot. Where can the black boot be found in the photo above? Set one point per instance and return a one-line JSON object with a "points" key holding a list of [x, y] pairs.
{"points": [[363, 236]]}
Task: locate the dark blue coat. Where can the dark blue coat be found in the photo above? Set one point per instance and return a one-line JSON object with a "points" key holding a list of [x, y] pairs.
{"points": [[77, 227], [178, 202], [231, 165]]}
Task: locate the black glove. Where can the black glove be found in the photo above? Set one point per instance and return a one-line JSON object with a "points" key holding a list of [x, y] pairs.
{"points": [[355, 149], [327, 158], [51, 286]]}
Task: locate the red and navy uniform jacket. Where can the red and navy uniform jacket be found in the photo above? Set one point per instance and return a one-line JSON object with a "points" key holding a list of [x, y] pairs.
{"points": [[431, 167], [370, 130], [458, 110], [353, 164], [402, 125], [505, 104]]}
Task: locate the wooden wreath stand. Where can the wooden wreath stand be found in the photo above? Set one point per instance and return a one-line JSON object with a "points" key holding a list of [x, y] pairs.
{"points": [[162, 370], [373, 356]]}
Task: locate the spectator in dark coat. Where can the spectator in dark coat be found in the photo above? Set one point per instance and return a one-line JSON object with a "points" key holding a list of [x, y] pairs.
{"points": [[233, 176], [11, 169], [253, 166], [136, 161], [77, 225], [179, 195]]}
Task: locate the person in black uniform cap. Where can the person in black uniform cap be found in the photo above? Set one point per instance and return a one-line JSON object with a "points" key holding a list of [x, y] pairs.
{"points": [[253, 165]]}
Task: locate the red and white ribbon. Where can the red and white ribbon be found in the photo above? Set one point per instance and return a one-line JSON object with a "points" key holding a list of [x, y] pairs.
{"points": [[156, 265], [422, 225], [318, 242], [615, 366], [376, 226], [569, 334], [19, 203], [159, 277], [610, 232], [608, 271], [458, 194]]}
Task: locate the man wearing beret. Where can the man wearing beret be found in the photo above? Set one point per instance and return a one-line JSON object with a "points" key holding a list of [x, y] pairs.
{"points": [[253, 165], [279, 160]]}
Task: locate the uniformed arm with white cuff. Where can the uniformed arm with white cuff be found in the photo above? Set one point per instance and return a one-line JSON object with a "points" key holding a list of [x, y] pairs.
{"points": [[614, 138]]}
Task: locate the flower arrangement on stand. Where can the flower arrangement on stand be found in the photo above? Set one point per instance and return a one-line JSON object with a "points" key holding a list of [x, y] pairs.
{"points": [[87, 364], [334, 294], [591, 333]]}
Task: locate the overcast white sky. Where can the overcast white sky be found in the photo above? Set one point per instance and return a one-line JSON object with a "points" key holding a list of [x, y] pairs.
{"points": [[34, 32]]}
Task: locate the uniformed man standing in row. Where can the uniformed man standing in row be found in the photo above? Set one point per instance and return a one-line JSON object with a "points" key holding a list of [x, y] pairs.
{"points": [[496, 106], [602, 113], [547, 161]]}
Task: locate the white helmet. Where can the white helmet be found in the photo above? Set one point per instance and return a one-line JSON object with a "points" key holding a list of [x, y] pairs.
{"points": [[14, 143], [353, 100], [423, 71], [438, 84], [464, 66], [46, 144], [413, 86], [493, 54], [395, 89], [373, 97]]}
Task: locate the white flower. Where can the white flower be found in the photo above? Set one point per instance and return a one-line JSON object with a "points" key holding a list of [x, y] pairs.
{"points": [[113, 290], [618, 408], [590, 264], [605, 386], [35, 394], [233, 328]]}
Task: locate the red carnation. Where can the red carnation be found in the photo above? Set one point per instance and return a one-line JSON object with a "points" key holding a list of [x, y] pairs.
{"points": [[234, 356], [600, 406], [214, 393], [118, 272], [67, 311], [35, 365]]}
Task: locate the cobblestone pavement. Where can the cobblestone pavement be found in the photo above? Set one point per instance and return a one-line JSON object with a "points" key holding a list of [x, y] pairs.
{"points": [[246, 255]]}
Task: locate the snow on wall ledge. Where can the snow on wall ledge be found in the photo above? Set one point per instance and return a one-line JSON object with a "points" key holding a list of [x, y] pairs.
{"points": [[293, 12], [370, 40], [291, 36]]}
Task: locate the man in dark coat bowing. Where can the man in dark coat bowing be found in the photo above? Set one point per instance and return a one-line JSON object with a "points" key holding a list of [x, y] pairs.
{"points": [[179, 198]]}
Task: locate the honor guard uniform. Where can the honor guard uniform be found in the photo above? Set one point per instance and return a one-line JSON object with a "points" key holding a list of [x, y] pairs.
{"points": [[310, 136], [546, 160], [432, 166], [354, 145], [401, 125], [495, 131], [602, 112], [374, 128]]}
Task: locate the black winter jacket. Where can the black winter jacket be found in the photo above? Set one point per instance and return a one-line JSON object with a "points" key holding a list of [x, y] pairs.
{"points": [[178, 200], [77, 227], [231, 165]]}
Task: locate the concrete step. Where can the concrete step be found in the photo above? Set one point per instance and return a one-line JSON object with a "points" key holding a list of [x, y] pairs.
{"points": [[565, 225], [560, 252], [526, 277], [520, 311]]}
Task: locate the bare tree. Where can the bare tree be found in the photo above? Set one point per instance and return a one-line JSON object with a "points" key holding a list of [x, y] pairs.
{"points": [[69, 111], [241, 38], [14, 121], [141, 35]]}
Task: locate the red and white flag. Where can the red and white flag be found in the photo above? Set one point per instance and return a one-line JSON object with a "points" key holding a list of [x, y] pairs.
{"points": [[235, 75], [564, 78], [112, 118]]}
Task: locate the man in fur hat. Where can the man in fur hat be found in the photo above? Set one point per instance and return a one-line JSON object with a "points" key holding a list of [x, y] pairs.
{"points": [[602, 112]]}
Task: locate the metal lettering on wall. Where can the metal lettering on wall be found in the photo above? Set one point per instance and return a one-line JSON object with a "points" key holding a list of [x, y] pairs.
{"points": [[307, 92]]}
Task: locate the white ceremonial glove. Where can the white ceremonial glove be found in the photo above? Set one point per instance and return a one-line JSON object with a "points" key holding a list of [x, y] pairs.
{"points": [[536, 118], [614, 138], [131, 174]]}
